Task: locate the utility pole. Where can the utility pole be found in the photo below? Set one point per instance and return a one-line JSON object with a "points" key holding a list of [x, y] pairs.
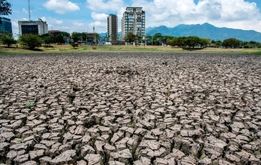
{"points": [[95, 37], [29, 10]]}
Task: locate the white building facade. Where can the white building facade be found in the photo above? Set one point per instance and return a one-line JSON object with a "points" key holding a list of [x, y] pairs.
{"points": [[39, 27], [133, 21]]}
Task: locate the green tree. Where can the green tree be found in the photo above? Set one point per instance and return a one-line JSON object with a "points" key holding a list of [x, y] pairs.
{"points": [[157, 39], [149, 40], [171, 42], [190, 42], [7, 39], [130, 38], [30, 41], [84, 37], [204, 42], [251, 44], [216, 44], [5, 8], [59, 37], [181, 41], [231, 43], [174, 42], [46, 38], [76, 37]]}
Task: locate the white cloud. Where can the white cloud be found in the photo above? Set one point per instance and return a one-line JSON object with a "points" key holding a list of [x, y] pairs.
{"points": [[68, 25], [99, 16], [105, 5], [100, 10], [99, 21], [228, 13], [61, 6]]}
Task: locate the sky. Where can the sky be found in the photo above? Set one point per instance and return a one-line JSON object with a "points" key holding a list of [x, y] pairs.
{"points": [[83, 15]]}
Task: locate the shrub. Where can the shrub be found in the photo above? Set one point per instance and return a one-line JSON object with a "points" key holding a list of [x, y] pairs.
{"points": [[171, 42], [7, 40], [46, 39], [30, 41], [94, 47], [231, 43], [130, 37], [74, 44], [30, 104]]}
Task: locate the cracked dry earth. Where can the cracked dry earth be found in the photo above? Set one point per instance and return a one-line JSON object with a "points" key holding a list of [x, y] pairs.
{"points": [[142, 109]]}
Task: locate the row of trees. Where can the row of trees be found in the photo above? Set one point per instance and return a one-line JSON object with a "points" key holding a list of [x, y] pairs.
{"points": [[234, 43], [196, 42], [54, 37], [191, 42], [29, 41], [32, 41], [58, 37]]}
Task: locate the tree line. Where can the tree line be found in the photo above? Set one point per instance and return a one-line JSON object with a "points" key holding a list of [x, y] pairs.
{"points": [[197, 42], [32, 41], [191, 42]]}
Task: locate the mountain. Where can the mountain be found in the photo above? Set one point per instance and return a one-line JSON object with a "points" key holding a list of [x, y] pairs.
{"points": [[206, 31]]}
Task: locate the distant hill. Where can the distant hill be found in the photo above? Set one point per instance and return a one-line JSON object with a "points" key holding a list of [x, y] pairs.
{"points": [[206, 31]]}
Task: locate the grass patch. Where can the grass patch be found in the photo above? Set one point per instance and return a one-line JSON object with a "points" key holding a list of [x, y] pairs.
{"points": [[30, 104], [122, 48], [257, 53]]}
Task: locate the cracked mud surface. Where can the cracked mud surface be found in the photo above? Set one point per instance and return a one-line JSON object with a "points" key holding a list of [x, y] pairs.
{"points": [[116, 109]]}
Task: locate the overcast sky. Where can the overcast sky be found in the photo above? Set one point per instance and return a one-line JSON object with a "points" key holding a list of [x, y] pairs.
{"points": [[82, 15]]}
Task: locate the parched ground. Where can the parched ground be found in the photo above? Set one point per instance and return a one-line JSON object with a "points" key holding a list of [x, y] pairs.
{"points": [[126, 108]]}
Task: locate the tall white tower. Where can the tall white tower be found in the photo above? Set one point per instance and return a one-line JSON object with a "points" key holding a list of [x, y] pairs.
{"points": [[133, 21]]}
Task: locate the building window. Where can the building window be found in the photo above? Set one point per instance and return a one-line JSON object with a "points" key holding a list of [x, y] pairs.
{"points": [[29, 29]]}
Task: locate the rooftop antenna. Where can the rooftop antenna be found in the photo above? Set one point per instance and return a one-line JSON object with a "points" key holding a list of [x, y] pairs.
{"points": [[29, 10]]}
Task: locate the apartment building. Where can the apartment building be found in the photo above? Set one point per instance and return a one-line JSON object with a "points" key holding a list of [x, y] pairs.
{"points": [[133, 21], [112, 28]]}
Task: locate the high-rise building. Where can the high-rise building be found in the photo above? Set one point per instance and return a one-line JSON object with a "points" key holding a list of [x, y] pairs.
{"points": [[5, 25], [112, 28], [133, 21], [33, 27]]}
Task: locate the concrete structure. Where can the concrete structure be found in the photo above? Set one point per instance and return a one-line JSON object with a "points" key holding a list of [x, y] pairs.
{"points": [[92, 38], [133, 21], [5, 25], [33, 27], [112, 28]]}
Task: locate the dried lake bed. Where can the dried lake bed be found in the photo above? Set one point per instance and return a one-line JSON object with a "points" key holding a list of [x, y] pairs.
{"points": [[130, 108]]}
